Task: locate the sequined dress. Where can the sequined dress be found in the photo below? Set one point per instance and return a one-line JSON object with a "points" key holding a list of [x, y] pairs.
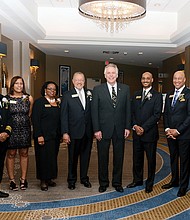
{"points": [[21, 126]]}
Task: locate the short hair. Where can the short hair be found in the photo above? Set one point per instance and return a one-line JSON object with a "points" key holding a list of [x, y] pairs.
{"points": [[80, 73], [111, 65], [45, 85], [13, 81]]}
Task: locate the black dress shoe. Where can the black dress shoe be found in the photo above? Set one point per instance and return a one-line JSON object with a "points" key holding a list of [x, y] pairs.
{"points": [[170, 185], [43, 185], [148, 189], [71, 186], [102, 189], [87, 184], [181, 192], [51, 183], [3, 194], [119, 189], [134, 184]]}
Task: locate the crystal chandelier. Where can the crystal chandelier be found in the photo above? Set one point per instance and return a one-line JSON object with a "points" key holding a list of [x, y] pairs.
{"points": [[113, 15]]}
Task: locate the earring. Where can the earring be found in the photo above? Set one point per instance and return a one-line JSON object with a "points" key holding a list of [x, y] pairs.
{"points": [[45, 94]]}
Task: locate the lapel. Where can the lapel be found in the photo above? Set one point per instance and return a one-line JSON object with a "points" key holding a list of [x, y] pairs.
{"points": [[119, 92], [107, 93], [146, 96], [178, 102], [74, 93]]}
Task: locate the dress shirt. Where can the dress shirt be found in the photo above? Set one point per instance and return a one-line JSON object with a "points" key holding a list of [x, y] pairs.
{"points": [[110, 88], [81, 93]]}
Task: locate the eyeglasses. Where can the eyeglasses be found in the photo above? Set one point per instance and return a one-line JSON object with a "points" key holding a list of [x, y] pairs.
{"points": [[51, 89]]}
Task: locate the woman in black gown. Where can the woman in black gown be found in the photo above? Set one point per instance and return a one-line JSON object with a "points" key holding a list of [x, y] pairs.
{"points": [[46, 128]]}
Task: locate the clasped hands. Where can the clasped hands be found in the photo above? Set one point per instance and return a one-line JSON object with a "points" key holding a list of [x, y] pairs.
{"points": [[171, 133], [3, 136], [98, 134], [139, 130]]}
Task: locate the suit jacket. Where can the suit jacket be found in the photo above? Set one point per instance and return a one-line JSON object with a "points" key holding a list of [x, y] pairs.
{"points": [[5, 119], [74, 119], [147, 114], [178, 117], [105, 117]]}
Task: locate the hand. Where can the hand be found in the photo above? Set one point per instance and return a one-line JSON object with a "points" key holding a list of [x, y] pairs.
{"points": [[172, 133], [66, 138], [139, 130], [41, 140], [3, 136], [98, 135], [127, 133]]}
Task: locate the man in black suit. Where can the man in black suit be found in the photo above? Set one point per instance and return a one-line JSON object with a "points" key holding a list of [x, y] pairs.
{"points": [[111, 122], [146, 112], [177, 129], [5, 131], [76, 126]]}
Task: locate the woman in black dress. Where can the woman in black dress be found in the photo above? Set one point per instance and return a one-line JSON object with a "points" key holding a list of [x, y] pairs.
{"points": [[46, 128], [20, 106]]}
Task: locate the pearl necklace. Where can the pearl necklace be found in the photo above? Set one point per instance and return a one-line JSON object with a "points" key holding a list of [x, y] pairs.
{"points": [[50, 100]]}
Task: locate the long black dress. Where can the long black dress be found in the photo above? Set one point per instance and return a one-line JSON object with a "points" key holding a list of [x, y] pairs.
{"points": [[46, 123]]}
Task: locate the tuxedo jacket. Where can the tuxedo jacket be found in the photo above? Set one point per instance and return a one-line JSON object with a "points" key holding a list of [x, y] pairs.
{"points": [[178, 117], [75, 120], [5, 119], [147, 114], [105, 117]]}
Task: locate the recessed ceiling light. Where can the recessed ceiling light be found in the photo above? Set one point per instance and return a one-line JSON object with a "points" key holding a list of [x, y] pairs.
{"points": [[125, 53], [157, 5], [150, 63], [111, 58], [140, 53], [66, 51]]}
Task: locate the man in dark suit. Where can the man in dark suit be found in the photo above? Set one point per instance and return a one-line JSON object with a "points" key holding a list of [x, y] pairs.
{"points": [[111, 122], [5, 131], [177, 129], [76, 126], [146, 112]]}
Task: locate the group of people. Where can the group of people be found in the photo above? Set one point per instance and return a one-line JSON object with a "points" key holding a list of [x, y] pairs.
{"points": [[108, 114]]}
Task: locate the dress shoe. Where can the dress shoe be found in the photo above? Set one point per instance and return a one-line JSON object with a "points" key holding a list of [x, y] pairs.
{"points": [[51, 183], [170, 185], [181, 192], [102, 189], [148, 189], [119, 189], [134, 184], [3, 194], [86, 184], [71, 186], [44, 186]]}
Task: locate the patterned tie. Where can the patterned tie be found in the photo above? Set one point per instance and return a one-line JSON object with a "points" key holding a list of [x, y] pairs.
{"points": [[114, 97], [81, 99], [143, 95], [175, 98]]}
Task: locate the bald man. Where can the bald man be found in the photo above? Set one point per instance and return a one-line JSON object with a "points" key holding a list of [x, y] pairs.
{"points": [[146, 112], [177, 129]]}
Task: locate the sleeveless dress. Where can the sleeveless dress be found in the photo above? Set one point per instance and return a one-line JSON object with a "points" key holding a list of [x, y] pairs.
{"points": [[21, 126]]}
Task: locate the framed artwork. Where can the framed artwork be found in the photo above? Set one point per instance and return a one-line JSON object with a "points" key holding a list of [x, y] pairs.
{"points": [[120, 77], [64, 78]]}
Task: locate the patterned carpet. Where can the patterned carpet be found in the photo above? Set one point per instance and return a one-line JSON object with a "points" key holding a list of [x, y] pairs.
{"points": [[61, 203]]}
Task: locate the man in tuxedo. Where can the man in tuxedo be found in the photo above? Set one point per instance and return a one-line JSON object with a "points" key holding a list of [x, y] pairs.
{"points": [[76, 127], [5, 131], [177, 129], [146, 112], [111, 122]]}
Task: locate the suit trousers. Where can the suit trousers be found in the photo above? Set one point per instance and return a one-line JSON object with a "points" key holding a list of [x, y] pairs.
{"points": [[180, 151], [103, 160], [139, 147], [3, 150], [79, 148]]}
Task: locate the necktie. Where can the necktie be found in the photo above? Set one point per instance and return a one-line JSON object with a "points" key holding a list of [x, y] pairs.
{"points": [[81, 98], [114, 97], [143, 95], [175, 98]]}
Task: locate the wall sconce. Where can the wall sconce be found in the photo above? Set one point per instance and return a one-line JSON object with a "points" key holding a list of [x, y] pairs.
{"points": [[34, 65], [3, 50]]}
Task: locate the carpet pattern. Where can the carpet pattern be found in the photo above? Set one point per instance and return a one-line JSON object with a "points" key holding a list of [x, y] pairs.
{"points": [[61, 203]]}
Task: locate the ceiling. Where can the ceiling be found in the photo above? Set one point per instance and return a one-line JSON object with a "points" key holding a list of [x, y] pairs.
{"points": [[55, 27]]}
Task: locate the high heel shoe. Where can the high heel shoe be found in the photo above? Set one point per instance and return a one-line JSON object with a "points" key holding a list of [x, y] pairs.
{"points": [[23, 184], [13, 185]]}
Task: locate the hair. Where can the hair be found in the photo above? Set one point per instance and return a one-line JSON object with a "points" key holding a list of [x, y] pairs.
{"points": [[45, 85], [111, 65], [13, 81], [80, 73]]}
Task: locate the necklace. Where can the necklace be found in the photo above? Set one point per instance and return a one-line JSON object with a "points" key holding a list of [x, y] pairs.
{"points": [[50, 100]]}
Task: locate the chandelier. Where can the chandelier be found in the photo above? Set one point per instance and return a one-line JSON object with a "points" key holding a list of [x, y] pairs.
{"points": [[112, 15]]}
